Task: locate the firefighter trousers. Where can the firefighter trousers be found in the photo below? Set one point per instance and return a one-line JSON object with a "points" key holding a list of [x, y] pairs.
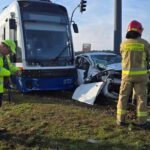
{"points": [[137, 83]]}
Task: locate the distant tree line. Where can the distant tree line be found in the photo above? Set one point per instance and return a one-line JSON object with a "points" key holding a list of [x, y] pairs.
{"points": [[81, 52]]}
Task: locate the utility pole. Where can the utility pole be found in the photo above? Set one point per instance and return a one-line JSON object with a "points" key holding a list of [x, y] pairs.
{"points": [[117, 25]]}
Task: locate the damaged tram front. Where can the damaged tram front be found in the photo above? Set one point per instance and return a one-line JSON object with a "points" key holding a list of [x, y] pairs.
{"points": [[41, 30]]}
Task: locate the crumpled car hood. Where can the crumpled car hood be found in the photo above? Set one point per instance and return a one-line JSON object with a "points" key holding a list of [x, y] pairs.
{"points": [[116, 66]]}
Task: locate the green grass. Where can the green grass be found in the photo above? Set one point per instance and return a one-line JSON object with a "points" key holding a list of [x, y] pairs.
{"points": [[55, 122]]}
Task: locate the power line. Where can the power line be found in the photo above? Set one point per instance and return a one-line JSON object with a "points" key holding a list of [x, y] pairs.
{"points": [[3, 3]]}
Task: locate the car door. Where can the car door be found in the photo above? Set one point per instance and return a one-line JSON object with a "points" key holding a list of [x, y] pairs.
{"points": [[82, 65]]}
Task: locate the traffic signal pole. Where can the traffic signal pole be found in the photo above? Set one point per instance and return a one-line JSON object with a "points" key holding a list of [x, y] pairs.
{"points": [[117, 25]]}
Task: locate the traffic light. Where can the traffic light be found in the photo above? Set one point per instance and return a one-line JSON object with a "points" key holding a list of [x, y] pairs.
{"points": [[83, 5]]}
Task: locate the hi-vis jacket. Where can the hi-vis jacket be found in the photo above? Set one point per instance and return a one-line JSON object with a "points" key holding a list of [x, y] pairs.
{"points": [[5, 72], [135, 56]]}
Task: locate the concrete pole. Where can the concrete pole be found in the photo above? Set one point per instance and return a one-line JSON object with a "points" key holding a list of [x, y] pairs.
{"points": [[117, 25]]}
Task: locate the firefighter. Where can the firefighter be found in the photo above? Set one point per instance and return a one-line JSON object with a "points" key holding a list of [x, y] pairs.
{"points": [[135, 53], [6, 47]]}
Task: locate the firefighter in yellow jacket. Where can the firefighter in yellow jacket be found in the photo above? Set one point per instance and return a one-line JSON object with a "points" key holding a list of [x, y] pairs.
{"points": [[6, 47], [135, 53]]}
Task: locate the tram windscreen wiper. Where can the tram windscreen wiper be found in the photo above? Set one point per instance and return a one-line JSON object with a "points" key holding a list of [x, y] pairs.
{"points": [[61, 52]]}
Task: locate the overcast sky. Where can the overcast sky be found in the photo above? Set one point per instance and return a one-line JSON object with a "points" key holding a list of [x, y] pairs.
{"points": [[96, 24]]}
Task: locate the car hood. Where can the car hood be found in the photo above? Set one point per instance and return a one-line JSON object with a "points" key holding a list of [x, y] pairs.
{"points": [[116, 66]]}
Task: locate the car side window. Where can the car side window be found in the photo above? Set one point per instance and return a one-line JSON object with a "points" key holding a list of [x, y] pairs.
{"points": [[78, 62], [85, 64], [82, 63], [87, 58]]}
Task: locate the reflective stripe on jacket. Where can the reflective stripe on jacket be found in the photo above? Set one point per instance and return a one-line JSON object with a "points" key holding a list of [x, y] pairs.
{"points": [[13, 69], [135, 54]]}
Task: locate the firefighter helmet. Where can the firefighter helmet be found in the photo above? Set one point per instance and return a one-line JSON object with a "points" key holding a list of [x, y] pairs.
{"points": [[135, 26], [11, 44]]}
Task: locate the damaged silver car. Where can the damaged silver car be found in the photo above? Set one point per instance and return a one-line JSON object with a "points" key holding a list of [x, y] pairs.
{"points": [[90, 64], [99, 76], [99, 73]]}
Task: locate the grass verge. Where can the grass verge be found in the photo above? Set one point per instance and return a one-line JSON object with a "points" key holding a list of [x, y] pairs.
{"points": [[55, 122]]}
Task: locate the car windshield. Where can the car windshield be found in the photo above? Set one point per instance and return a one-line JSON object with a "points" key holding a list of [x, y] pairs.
{"points": [[106, 59], [116, 59]]}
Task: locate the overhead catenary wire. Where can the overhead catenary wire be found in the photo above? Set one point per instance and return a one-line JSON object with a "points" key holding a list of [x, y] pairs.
{"points": [[4, 3]]}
